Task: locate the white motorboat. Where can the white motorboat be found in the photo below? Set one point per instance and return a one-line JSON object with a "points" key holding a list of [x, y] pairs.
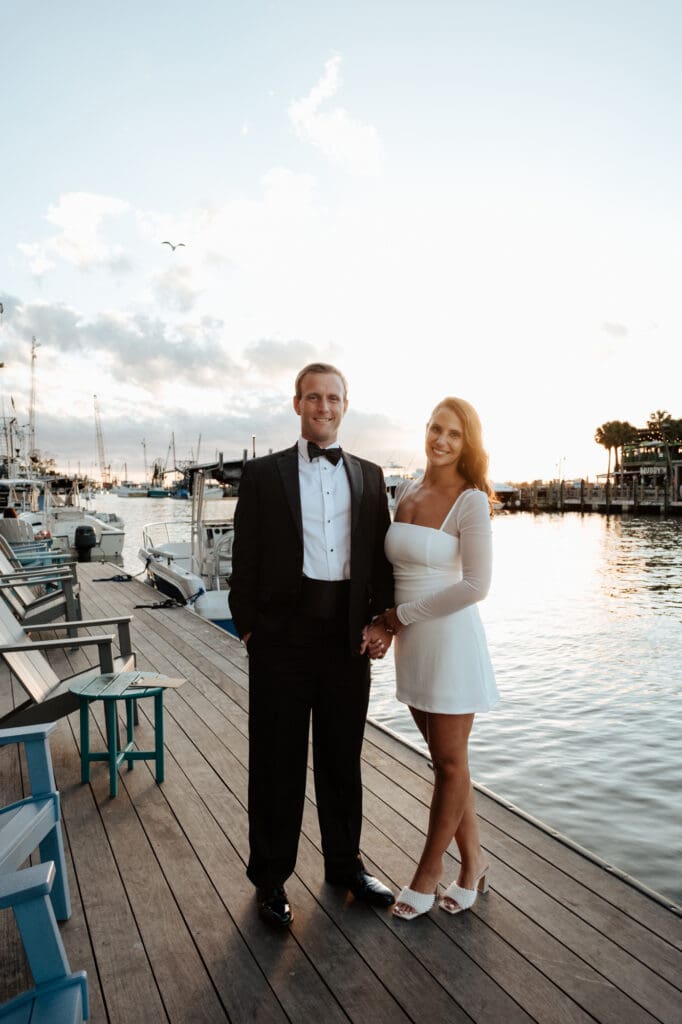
{"points": [[127, 489], [190, 561], [73, 530]]}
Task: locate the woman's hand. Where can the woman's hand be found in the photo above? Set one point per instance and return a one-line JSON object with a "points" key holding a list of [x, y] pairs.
{"points": [[391, 622]]}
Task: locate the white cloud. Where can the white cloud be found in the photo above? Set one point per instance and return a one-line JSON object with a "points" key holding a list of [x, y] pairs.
{"points": [[79, 216], [343, 139], [173, 287]]}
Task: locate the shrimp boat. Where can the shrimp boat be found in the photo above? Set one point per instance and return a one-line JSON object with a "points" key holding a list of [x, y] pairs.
{"points": [[190, 561]]}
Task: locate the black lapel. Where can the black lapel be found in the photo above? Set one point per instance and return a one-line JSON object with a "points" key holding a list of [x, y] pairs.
{"points": [[287, 465], [357, 483]]}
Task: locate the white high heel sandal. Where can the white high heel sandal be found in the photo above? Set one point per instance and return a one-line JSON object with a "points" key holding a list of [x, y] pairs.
{"points": [[417, 903], [455, 899]]}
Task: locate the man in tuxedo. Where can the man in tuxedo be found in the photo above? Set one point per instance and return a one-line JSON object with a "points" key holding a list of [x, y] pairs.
{"points": [[308, 573]]}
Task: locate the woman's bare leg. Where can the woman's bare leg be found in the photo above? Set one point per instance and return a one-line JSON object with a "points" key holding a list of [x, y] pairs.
{"points": [[452, 810]]}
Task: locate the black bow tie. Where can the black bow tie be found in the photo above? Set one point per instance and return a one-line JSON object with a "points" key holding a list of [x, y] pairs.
{"points": [[314, 452]]}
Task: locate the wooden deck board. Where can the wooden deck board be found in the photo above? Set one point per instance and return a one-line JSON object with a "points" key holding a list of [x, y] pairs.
{"points": [[164, 920], [519, 882]]}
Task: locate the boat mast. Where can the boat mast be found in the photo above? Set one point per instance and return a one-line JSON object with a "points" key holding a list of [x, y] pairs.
{"points": [[32, 453], [103, 468]]}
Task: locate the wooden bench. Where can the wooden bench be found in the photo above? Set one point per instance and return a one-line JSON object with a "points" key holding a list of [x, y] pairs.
{"points": [[49, 696], [59, 996]]}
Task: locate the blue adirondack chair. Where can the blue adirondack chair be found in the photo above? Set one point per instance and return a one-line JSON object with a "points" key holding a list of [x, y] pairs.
{"points": [[59, 996], [34, 823]]}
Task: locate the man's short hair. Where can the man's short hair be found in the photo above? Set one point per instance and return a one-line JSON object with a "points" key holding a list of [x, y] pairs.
{"points": [[320, 368]]}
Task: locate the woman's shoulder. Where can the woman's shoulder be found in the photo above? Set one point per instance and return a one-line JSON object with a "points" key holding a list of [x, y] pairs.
{"points": [[473, 505], [475, 497]]}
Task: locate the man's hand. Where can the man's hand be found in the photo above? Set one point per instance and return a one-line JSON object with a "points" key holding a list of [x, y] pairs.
{"points": [[376, 640]]}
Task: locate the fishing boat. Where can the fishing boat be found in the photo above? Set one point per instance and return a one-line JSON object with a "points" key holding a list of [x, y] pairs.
{"points": [[128, 489], [73, 530], [190, 561]]}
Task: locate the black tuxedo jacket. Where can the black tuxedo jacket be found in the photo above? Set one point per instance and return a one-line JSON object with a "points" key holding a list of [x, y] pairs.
{"points": [[267, 556]]}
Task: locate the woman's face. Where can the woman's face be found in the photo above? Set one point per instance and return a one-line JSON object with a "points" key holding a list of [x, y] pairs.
{"points": [[444, 438]]}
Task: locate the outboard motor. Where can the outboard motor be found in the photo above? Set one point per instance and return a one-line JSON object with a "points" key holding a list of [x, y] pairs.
{"points": [[84, 541]]}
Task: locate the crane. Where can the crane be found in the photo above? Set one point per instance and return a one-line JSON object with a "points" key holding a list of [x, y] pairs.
{"points": [[103, 468]]}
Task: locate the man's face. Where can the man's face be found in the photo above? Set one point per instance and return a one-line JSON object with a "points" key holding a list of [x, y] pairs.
{"points": [[322, 406]]}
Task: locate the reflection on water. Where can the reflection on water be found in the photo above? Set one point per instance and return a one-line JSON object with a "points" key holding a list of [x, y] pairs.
{"points": [[584, 623]]}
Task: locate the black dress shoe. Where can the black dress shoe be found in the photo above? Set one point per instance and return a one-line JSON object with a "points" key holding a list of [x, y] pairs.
{"points": [[365, 887], [273, 906]]}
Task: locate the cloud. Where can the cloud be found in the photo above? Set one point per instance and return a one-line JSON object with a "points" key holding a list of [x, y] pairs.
{"points": [[52, 323], [341, 138], [614, 329], [173, 288], [137, 348], [79, 216], [279, 358]]}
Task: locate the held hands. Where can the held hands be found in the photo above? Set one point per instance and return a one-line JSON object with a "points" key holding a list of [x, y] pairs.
{"points": [[378, 636], [391, 622]]}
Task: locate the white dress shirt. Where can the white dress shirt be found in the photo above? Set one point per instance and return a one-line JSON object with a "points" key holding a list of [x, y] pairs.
{"points": [[325, 508]]}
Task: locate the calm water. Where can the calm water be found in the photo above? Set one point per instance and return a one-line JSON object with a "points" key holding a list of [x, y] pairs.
{"points": [[584, 623]]}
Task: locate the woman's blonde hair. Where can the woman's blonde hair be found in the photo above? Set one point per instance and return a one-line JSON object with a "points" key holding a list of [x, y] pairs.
{"points": [[473, 462]]}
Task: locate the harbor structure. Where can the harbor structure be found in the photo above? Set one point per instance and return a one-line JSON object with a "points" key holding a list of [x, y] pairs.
{"points": [[647, 480]]}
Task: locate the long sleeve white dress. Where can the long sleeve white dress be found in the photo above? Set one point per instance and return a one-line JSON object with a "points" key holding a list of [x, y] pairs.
{"points": [[442, 660]]}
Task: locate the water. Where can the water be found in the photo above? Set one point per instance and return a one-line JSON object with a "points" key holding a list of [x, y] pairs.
{"points": [[584, 623]]}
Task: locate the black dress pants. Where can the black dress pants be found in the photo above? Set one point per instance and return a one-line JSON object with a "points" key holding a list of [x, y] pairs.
{"points": [[308, 673]]}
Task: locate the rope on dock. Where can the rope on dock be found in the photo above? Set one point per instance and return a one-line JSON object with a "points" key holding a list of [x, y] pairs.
{"points": [[170, 602], [124, 577]]}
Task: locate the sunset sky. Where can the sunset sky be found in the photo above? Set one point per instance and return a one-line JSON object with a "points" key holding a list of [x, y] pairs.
{"points": [[471, 198]]}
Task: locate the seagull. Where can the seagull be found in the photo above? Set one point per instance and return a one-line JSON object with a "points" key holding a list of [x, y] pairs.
{"points": [[173, 247]]}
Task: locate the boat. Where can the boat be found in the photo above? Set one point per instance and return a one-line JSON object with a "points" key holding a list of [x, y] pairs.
{"points": [[128, 489], [84, 535], [183, 491], [20, 493], [394, 475], [190, 561]]}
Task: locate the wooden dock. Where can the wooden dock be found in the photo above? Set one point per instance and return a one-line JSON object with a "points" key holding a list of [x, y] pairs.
{"points": [[164, 920]]}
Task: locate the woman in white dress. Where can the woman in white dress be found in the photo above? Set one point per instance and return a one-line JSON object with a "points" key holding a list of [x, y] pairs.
{"points": [[440, 547]]}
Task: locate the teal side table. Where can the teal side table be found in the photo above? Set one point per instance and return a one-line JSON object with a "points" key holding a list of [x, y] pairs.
{"points": [[129, 687]]}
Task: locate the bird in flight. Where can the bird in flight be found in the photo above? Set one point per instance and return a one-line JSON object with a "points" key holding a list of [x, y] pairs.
{"points": [[173, 247]]}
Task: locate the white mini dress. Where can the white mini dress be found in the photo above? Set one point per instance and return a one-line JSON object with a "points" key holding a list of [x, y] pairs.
{"points": [[442, 660]]}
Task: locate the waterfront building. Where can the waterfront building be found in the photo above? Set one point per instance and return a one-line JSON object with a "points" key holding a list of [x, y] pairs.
{"points": [[651, 461]]}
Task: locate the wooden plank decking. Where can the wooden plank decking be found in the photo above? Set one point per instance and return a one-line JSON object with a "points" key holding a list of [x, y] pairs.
{"points": [[164, 919]]}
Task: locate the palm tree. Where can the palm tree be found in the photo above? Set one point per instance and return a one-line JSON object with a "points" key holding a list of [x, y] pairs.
{"points": [[608, 436], [622, 432], [659, 420]]}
